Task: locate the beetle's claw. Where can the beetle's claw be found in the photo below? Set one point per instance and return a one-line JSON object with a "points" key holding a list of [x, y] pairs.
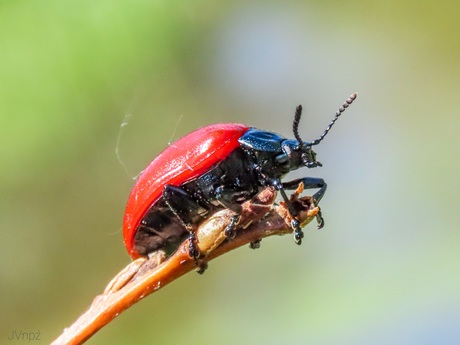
{"points": [[320, 220], [201, 267], [255, 244]]}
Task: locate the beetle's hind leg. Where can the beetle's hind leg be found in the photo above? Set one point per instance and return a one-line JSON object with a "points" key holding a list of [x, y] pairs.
{"points": [[188, 210]]}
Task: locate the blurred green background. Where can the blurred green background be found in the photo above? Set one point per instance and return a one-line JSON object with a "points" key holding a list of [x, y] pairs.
{"points": [[385, 269]]}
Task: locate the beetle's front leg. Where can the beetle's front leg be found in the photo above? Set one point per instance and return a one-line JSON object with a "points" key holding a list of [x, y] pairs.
{"points": [[310, 183], [298, 233]]}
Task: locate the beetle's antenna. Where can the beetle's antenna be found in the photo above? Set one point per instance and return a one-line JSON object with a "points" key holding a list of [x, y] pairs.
{"points": [[337, 114], [295, 125]]}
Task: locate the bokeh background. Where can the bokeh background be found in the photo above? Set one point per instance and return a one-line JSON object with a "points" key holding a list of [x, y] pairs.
{"points": [[91, 91]]}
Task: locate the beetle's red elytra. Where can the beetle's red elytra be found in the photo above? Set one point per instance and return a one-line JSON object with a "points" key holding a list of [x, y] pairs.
{"points": [[182, 161]]}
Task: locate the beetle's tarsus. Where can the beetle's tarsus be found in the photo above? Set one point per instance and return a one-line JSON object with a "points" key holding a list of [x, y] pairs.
{"points": [[192, 249], [230, 231], [319, 219], [298, 233]]}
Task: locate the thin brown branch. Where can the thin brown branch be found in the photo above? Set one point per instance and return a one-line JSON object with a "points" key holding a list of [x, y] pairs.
{"points": [[145, 276]]}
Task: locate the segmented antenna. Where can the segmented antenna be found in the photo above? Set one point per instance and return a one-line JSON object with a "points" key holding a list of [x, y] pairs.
{"points": [[337, 114], [295, 124]]}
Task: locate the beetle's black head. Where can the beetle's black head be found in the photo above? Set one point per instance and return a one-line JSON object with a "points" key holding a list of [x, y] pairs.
{"points": [[276, 155], [300, 152]]}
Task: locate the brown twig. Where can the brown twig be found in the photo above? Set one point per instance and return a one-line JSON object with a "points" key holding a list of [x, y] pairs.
{"points": [[145, 276]]}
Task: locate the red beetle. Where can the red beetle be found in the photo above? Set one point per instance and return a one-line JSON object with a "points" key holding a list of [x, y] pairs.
{"points": [[215, 167]]}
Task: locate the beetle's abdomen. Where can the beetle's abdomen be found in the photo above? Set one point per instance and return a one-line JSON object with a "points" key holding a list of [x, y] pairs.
{"points": [[160, 229]]}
